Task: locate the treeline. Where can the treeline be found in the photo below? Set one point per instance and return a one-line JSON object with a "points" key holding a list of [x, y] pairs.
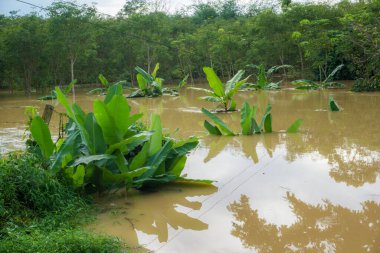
{"points": [[71, 41]]}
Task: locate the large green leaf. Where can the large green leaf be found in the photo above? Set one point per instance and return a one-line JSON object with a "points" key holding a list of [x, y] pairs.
{"points": [[295, 126], [268, 123], [111, 133], [115, 89], [145, 75], [214, 81], [234, 80], [183, 82], [156, 138], [69, 87], [119, 109], [156, 68], [66, 152], [221, 125], [78, 176], [63, 101], [141, 158], [245, 121], [177, 166], [184, 146], [41, 134], [123, 145], [157, 159], [236, 87], [143, 85], [95, 133], [90, 159], [214, 130], [103, 80], [117, 178], [332, 74]]}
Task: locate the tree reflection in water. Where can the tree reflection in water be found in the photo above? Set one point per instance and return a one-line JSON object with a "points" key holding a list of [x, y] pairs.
{"points": [[319, 228], [151, 213]]}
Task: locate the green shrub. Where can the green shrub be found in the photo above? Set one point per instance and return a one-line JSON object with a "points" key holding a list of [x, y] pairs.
{"points": [[361, 85], [28, 191], [39, 213]]}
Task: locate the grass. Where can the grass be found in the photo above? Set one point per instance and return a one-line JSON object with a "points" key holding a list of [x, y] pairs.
{"points": [[39, 213]]}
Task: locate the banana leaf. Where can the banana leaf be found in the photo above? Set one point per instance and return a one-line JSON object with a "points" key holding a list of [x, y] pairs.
{"points": [[221, 125], [41, 134], [214, 81], [333, 105], [295, 126]]}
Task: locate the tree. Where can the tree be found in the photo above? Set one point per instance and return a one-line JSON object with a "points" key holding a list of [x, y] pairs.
{"points": [[70, 31]]}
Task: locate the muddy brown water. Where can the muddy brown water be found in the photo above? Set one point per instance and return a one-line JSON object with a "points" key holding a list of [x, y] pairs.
{"points": [[314, 191]]}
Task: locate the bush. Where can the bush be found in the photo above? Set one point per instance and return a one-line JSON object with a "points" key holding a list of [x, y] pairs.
{"points": [[38, 213], [361, 85], [28, 191]]}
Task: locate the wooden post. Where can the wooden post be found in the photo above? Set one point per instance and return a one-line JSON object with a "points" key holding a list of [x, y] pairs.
{"points": [[48, 112]]}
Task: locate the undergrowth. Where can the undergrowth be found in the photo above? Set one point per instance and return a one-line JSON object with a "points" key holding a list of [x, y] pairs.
{"points": [[39, 213]]}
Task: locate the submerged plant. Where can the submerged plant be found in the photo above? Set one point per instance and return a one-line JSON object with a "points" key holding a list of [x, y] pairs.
{"points": [[104, 82], [333, 105], [326, 84], [175, 91], [263, 77], [221, 93], [53, 93], [110, 148], [248, 123], [151, 86]]}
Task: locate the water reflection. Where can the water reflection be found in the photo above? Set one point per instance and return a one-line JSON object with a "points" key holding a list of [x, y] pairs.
{"points": [[319, 228], [152, 214]]}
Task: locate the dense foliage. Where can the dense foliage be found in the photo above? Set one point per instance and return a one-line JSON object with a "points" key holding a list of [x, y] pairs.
{"points": [[110, 148], [39, 213], [70, 41]]}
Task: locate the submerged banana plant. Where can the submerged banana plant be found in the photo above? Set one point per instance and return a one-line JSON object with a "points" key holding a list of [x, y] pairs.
{"points": [[326, 84], [222, 93], [104, 82], [175, 91], [53, 93], [248, 123], [109, 148], [263, 77], [151, 86]]}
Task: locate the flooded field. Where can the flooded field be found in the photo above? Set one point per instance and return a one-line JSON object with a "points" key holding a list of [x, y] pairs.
{"points": [[314, 191]]}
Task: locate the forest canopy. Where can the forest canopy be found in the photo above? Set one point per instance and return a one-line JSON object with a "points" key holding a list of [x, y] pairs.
{"points": [[67, 41]]}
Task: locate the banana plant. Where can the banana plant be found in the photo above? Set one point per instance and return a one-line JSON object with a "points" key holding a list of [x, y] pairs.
{"points": [[149, 84], [222, 93], [326, 84], [263, 77], [248, 123], [53, 94], [109, 148], [106, 85], [165, 156], [175, 91]]}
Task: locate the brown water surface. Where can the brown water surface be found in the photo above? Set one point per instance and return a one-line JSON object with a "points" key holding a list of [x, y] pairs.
{"points": [[314, 191]]}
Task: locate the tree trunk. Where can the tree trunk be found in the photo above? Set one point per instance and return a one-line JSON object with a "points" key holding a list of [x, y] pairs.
{"points": [[301, 59], [72, 63]]}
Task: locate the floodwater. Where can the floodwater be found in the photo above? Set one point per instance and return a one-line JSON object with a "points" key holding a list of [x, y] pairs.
{"points": [[314, 191]]}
